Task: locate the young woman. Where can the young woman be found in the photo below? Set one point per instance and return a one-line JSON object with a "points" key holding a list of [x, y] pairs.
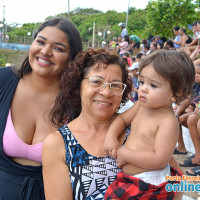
{"points": [[26, 100]]}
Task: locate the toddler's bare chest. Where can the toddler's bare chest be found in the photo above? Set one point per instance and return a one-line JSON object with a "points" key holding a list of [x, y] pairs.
{"points": [[143, 130]]}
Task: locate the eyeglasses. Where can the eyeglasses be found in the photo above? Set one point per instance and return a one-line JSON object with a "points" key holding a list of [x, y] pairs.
{"points": [[98, 85]]}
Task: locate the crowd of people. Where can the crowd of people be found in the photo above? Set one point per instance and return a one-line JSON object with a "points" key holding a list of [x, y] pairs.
{"points": [[88, 124]]}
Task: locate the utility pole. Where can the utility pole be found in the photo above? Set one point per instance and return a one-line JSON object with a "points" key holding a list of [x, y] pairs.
{"points": [[68, 10], [93, 35], [127, 14], [4, 32]]}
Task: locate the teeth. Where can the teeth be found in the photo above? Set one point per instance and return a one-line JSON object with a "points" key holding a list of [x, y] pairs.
{"points": [[43, 61], [103, 103]]}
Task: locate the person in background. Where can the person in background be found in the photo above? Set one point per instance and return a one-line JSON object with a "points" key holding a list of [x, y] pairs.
{"points": [[164, 39], [158, 40], [189, 48], [126, 56], [185, 109], [123, 30], [195, 30], [135, 43], [191, 122], [153, 47], [160, 45], [177, 39], [185, 39], [165, 77], [149, 39], [134, 71], [27, 98], [133, 59], [112, 43], [103, 44], [119, 40], [170, 45], [147, 49], [124, 46], [144, 42]]}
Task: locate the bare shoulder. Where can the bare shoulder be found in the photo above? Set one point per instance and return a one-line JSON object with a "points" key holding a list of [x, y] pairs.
{"points": [[134, 108], [53, 142], [169, 120], [169, 117]]}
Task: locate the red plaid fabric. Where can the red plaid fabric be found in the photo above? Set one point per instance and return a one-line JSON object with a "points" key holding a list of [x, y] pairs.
{"points": [[126, 187]]}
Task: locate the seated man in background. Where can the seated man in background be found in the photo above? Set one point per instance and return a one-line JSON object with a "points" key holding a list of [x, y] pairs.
{"points": [[135, 41]]}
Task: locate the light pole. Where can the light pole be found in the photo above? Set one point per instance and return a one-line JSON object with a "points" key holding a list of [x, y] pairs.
{"points": [[99, 34], [93, 35], [127, 13], [68, 10], [4, 32]]}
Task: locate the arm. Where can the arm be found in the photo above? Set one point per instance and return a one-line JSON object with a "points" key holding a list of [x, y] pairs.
{"points": [[194, 53], [181, 108], [184, 39], [57, 184], [165, 142], [178, 42], [194, 42], [117, 127]]}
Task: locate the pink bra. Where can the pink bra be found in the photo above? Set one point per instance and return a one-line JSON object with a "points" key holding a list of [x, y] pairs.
{"points": [[13, 146]]}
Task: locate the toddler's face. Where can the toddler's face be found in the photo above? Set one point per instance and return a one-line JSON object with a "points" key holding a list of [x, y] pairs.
{"points": [[154, 90]]}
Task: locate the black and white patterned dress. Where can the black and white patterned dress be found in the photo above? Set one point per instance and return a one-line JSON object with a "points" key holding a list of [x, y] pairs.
{"points": [[90, 175]]}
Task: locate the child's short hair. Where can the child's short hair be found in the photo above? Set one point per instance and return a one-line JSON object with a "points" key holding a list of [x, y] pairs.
{"points": [[174, 66], [133, 58]]}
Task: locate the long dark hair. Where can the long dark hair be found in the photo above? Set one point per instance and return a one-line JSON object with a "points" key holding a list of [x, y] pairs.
{"points": [[68, 102], [72, 34]]}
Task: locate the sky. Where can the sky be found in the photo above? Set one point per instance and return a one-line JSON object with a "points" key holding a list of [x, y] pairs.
{"points": [[32, 11]]}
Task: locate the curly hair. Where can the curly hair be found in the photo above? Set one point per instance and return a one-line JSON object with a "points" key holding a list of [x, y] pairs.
{"points": [[175, 67], [68, 101]]}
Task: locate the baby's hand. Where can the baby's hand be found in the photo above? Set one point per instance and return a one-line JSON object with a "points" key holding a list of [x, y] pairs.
{"points": [[110, 147], [120, 156]]}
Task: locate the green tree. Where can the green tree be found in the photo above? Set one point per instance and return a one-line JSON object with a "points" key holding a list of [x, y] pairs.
{"points": [[163, 15], [137, 22]]}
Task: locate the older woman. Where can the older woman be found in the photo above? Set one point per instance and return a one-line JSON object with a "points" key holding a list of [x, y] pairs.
{"points": [[74, 164]]}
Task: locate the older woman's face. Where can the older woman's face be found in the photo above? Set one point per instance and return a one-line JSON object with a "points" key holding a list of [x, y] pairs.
{"points": [[101, 105]]}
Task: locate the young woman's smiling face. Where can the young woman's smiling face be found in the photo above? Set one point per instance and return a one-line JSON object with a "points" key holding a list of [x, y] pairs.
{"points": [[49, 52]]}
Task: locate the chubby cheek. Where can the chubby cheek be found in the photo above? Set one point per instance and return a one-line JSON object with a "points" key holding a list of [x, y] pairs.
{"points": [[197, 78], [30, 55]]}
